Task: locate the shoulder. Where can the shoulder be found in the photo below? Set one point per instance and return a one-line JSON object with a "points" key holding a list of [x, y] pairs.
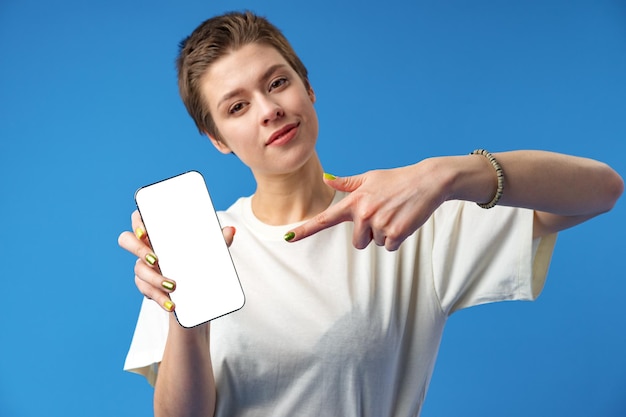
{"points": [[233, 213]]}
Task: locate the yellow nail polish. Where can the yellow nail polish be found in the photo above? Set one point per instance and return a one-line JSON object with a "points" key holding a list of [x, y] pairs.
{"points": [[169, 306], [329, 176], [168, 285], [289, 236], [140, 233], [151, 258]]}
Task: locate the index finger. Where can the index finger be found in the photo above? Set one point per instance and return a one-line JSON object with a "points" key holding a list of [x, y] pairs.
{"points": [[330, 217], [132, 244], [137, 224], [137, 242]]}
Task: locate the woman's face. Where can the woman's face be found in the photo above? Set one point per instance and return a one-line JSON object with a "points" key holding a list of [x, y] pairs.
{"points": [[262, 110]]}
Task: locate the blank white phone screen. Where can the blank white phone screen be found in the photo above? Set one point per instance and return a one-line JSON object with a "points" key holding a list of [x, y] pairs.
{"points": [[186, 236]]}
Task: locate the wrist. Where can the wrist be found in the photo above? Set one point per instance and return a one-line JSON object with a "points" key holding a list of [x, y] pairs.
{"points": [[446, 174], [469, 178], [198, 333]]}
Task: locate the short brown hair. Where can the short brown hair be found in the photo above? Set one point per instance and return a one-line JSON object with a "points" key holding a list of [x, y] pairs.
{"points": [[215, 38]]}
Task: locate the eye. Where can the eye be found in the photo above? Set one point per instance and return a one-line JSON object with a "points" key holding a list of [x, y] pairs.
{"points": [[235, 108], [279, 82]]}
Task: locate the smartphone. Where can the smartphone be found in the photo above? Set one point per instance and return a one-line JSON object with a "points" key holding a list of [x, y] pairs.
{"points": [[185, 233]]}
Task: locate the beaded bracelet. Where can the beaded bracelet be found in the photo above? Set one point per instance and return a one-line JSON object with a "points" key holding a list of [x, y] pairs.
{"points": [[499, 174]]}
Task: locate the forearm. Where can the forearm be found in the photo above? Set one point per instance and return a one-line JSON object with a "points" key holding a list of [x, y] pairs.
{"points": [[546, 181], [568, 189], [185, 385], [559, 184]]}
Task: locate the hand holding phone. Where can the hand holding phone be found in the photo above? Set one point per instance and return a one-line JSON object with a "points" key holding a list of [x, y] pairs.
{"points": [[186, 236]]}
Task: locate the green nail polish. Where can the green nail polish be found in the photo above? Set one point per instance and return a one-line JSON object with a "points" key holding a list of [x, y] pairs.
{"points": [[151, 258], [168, 285], [289, 236], [329, 176], [140, 233]]}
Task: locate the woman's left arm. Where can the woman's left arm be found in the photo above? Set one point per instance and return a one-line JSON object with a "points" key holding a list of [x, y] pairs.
{"points": [[387, 206], [563, 190]]}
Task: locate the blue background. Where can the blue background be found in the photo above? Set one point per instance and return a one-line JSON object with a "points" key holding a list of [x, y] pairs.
{"points": [[89, 111]]}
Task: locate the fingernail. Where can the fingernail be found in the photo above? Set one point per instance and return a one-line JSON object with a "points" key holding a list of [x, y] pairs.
{"points": [[234, 230], [140, 233], [329, 176], [289, 236], [169, 306], [168, 285], [151, 258]]}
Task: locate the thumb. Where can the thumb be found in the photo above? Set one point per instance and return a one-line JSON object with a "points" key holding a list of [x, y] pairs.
{"points": [[347, 184], [229, 234]]}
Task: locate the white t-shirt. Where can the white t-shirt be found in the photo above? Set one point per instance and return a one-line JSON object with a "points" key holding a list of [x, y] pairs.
{"points": [[329, 330]]}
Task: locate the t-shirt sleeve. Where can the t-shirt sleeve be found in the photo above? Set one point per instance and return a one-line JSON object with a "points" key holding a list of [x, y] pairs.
{"points": [[482, 256], [148, 343]]}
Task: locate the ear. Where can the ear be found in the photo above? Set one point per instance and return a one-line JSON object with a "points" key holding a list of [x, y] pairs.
{"points": [[311, 95], [219, 144]]}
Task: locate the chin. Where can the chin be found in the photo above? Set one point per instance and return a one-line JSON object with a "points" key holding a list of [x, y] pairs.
{"points": [[294, 162]]}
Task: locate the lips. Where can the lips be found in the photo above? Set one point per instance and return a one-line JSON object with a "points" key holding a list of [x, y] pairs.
{"points": [[283, 135]]}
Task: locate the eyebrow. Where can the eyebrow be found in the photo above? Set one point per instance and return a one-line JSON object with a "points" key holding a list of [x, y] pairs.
{"points": [[268, 72]]}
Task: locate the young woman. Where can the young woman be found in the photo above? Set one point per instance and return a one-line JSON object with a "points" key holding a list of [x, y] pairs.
{"points": [[348, 281]]}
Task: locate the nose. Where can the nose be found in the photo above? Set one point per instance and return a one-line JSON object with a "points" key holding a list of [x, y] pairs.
{"points": [[270, 110]]}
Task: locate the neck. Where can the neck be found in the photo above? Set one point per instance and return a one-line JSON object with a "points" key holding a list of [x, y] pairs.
{"points": [[292, 197]]}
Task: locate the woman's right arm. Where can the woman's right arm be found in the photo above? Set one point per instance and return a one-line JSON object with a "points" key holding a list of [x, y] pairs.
{"points": [[185, 385]]}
